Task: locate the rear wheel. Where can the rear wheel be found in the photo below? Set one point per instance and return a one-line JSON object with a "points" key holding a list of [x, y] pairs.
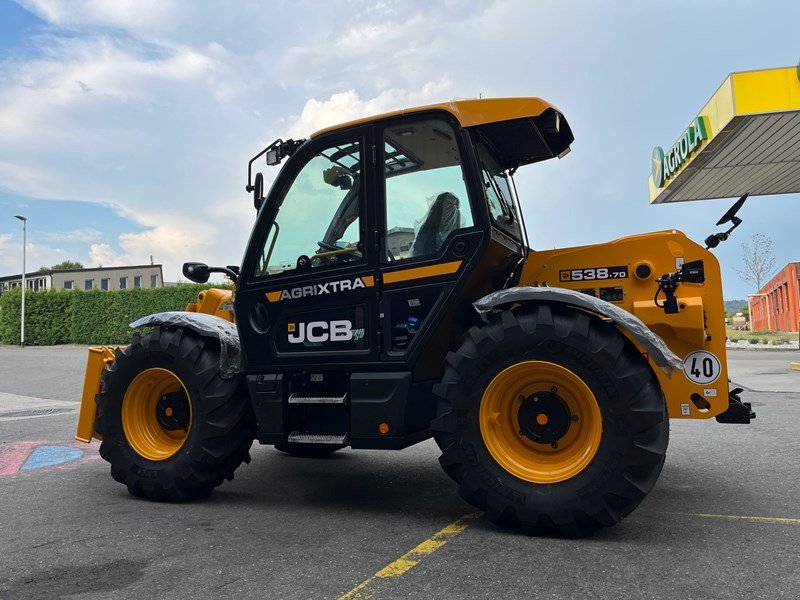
{"points": [[172, 428], [551, 421]]}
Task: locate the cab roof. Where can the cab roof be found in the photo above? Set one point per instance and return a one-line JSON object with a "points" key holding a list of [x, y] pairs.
{"points": [[519, 130], [469, 113]]}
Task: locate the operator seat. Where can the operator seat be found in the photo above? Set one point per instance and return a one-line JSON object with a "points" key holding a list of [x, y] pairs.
{"points": [[442, 217]]}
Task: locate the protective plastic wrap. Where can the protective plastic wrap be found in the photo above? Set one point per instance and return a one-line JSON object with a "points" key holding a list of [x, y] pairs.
{"points": [[442, 217], [231, 360], [655, 346]]}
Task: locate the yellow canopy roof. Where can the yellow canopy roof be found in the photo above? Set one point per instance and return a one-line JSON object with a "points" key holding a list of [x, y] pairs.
{"points": [[745, 139], [468, 112]]}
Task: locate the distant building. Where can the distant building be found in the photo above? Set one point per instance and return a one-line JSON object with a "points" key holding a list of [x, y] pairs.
{"points": [[739, 322], [776, 306], [399, 240], [99, 278]]}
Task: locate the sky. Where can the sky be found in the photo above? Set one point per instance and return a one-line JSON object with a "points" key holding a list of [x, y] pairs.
{"points": [[126, 125]]}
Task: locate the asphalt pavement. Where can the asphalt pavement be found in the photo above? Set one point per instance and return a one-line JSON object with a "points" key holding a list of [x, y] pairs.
{"points": [[722, 522]]}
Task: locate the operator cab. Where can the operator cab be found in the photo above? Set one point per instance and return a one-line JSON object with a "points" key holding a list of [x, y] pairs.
{"points": [[374, 240], [413, 201]]}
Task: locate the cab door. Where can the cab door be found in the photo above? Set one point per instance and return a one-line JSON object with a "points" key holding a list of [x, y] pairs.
{"points": [[307, 294], [432, 227]]}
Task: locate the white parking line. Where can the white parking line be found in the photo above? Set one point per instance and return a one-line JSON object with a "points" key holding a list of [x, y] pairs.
{"points": [[14, 407]]}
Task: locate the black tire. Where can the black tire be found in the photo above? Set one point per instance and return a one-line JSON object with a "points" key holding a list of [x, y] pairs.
{"points": [[635, 426], [307, 450], [222, 424]]}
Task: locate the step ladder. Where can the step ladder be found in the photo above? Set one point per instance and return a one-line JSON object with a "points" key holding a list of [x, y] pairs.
{"points": [[298, 399], [311, 438]]}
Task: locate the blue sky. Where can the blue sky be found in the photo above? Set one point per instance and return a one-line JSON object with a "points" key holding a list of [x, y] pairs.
{"points": [[125, 126]]}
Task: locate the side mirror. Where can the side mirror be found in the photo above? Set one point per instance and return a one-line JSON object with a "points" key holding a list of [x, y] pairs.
{"points": [[258, 192], [196, 271]]}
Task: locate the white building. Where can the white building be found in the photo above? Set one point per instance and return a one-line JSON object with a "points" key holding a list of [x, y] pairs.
{"points": [[99, 278]]}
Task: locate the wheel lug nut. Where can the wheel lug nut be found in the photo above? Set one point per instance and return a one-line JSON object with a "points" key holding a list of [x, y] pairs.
{"points": [[555, 444], [574, 417], [554, 389]]}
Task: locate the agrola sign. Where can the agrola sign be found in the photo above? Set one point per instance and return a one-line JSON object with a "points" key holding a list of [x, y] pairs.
{"points": [[665, 164]]}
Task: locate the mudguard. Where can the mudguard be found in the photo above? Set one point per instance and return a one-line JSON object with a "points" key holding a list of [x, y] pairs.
{"points": [[231, 359], [652, 343]]}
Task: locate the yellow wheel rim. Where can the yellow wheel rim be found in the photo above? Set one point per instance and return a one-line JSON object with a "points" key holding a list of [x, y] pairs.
{"points": [[502, 422], [146, 435]]}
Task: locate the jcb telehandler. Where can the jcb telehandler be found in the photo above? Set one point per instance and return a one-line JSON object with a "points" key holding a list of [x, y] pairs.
{"points": [[388, 294]]}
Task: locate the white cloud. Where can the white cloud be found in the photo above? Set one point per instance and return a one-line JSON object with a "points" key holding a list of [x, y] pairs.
{"points": [[55, 93], [83, 235], [154, 107], [135, 15], [347, 106], [170, 244], [104, 255], [37, 255]]}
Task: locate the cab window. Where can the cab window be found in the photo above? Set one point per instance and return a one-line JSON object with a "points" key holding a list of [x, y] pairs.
{"points": [[426, 196], [318, 223], [497, 187]]}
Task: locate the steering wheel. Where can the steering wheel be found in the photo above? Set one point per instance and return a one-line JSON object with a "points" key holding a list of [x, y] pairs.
{"points": [[328, 246]]}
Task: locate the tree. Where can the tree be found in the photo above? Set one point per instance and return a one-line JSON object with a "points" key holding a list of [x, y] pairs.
{"points": [[67, 265], [758, 262]]}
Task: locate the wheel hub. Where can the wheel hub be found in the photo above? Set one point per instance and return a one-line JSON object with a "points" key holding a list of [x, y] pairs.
{"points": [[544, 418], [156, 414], [172, 411], [540, 421]]}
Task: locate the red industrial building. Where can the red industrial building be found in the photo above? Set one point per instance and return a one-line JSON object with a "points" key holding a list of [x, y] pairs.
{"points": [[776, 306]]}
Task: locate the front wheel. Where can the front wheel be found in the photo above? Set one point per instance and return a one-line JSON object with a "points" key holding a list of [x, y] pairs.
{"points": [[551, 421], [172, 428]]}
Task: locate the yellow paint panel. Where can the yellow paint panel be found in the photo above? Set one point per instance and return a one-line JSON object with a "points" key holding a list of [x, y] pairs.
{"points": [[422, 272], [740, 95], [772, 90], [99, 357], [368, 280], [699, 326], [477, 111], [717, 113]]}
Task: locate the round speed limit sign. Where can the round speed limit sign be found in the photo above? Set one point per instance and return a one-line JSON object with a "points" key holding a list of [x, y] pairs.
{"points": [[702, 367]]}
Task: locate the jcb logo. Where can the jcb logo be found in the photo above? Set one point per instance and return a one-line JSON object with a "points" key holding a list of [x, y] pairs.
{"points": [[320, 331]]}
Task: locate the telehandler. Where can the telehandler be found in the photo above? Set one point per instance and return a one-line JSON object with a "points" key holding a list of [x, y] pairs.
{"points": [[388, 294]]}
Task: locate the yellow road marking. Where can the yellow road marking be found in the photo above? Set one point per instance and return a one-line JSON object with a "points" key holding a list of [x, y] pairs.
{"points": [[794, 366], [782, 520], [368, 587]]}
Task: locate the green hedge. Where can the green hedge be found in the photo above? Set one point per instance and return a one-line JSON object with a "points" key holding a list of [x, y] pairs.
{"points": [[93, 317]]}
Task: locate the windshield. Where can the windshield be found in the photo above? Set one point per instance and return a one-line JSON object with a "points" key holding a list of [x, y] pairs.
{"points": [[318, 222], [497, 185]]}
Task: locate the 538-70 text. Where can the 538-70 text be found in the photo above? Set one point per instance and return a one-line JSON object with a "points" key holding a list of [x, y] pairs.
{"points": [[593, 273]]}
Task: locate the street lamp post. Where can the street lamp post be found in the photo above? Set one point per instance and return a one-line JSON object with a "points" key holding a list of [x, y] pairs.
{"points": [[24, 286]]}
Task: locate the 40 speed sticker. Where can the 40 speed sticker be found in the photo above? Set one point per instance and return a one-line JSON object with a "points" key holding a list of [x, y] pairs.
{"points": [[702, 367]]}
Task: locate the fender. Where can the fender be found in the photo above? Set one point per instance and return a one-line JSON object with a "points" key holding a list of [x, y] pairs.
{"points": [[629, 323], [231, 359]]}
